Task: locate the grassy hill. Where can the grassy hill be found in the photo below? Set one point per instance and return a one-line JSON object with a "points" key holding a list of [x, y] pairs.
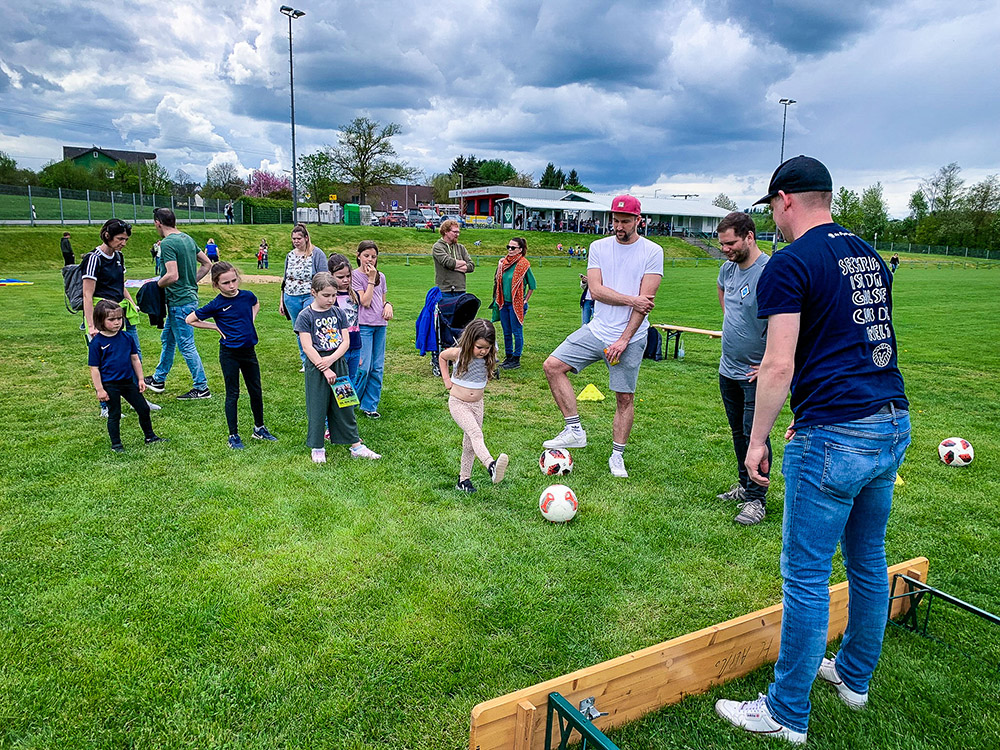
{"points": [[25, 248]]}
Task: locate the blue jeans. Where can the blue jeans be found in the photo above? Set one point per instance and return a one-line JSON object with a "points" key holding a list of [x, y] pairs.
{"points": [[353, 357], [838, 487], [176, 332], [513, 331], [294, 304], [368, 384], [587, 311], [739, 398]]}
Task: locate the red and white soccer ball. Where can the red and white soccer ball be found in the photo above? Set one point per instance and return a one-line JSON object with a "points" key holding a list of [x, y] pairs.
{"points": [[956, 451], [555, 461], [558, 503]]}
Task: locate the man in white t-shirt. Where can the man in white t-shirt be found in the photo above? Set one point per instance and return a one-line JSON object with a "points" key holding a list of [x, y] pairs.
{"points": [[623, 273]]}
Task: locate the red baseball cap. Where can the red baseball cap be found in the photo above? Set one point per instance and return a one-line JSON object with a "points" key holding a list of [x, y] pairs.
{"points": [[626, 204]]}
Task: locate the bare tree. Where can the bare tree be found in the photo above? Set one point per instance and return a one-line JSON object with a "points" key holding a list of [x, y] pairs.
{"points": [[364, 156]]}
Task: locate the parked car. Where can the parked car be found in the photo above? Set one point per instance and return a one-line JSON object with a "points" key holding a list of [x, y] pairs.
{"points": [[453, 217], [431, 217], [395, 219], [415, 218]]}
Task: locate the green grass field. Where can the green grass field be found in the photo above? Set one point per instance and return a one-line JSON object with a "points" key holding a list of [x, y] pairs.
{"points": [[47, 208], [183, 595]]}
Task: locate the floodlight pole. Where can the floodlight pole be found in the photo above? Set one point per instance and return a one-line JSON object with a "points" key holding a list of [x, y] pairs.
{"points": [[292, 13], [785, 103]]}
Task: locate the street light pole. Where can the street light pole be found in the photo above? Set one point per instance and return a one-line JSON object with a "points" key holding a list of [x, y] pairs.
{"points": [[292, 13], [785, 103]]}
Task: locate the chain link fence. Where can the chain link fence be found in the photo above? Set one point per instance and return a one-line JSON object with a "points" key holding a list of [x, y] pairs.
{"points": [[37, 205], [962, 252]]}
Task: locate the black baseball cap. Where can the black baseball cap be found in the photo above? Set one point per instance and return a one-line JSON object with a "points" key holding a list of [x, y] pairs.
{"points": [[800, 174]]}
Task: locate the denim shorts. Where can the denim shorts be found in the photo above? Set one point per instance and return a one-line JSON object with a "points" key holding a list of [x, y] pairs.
{"points": [[582, 348]]}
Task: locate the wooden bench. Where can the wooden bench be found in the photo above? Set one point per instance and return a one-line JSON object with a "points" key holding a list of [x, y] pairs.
{"points": [[674, 332]]}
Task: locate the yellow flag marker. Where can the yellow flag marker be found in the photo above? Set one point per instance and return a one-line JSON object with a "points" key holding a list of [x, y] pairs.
{"points": [[899, 481], [590, 393]]}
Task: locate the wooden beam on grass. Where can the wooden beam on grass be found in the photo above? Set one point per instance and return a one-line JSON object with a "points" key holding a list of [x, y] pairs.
{"points": [[631, 686]]}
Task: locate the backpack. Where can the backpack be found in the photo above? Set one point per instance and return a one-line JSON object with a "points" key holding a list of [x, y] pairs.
{"points": [[654, 345], [73, 287]]}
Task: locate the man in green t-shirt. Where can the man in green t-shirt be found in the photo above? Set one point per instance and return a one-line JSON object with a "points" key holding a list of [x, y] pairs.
{"points": [[181, 266]]}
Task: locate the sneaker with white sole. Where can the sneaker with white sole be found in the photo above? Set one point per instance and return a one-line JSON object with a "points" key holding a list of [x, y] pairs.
{"points": [[152, 406], [465, 485], [319, 455], [828, 673], [617, 465], [734, 493], [262, 433], [751, 512], [570, 437], [153, 385], [104, 410], [754, 717], [498, 468], [195, 394], [363, 451]]}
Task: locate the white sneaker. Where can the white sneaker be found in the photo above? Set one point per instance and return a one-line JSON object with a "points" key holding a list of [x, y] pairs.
{"points": [[152, 406], [754, 717], [617, 465], [828, 673], [570, 437], [319, 455], [363, 451]]}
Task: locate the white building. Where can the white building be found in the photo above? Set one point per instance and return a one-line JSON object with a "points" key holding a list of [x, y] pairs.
{"points": [[543, 208]]}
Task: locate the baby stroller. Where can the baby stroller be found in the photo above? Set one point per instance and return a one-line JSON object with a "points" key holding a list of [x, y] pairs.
{"points": [[450, 317]]}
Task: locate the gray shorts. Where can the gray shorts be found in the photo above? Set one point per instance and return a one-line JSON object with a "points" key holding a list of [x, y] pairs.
{"points": [[582, 348]]}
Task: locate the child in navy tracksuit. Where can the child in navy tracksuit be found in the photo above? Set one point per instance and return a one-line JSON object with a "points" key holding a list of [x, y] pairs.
{"points": [[234, 311], [114, 359]]}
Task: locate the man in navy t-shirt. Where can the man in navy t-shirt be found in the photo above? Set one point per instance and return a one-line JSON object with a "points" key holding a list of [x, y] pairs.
{"points": [[828, 304]]}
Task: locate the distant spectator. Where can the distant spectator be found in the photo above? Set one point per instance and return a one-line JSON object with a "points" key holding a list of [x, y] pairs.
{"points": [[67, 250], [212, 250], [894, 263], [230, 219]]}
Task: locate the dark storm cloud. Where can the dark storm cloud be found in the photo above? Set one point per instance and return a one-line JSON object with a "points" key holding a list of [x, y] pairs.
{"points": [[803, 28]]}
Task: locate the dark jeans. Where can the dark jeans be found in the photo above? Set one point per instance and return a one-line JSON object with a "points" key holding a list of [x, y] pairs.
{"points": [[128, 390], [233, 361], [738, 397]]}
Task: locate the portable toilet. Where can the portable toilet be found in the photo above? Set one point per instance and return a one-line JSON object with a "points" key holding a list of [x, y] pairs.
{"points": [[352, 214]]}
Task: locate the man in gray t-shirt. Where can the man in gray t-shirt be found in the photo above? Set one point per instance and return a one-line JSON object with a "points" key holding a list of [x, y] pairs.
{"points": [[743, 342]]}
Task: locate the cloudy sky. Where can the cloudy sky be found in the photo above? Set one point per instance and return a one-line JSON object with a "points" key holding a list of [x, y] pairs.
{"points": [[679, 95]]}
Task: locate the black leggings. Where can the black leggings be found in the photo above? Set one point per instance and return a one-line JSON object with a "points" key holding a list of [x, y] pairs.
{"points": [[128, 390], [233, 361]]}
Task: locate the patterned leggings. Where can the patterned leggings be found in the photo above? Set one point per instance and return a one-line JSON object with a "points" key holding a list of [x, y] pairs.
{"points": [[470, 418]]}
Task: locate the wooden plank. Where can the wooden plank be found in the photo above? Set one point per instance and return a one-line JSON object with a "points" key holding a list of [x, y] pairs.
{"points": [[632, 685], [686, 329], [524, 725]]}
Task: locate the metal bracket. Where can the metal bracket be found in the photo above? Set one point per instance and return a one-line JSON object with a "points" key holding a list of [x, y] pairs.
{"points": [[917, 591], [570, 719], [588, 709]]}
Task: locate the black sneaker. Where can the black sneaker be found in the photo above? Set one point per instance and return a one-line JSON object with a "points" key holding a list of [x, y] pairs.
{"points": [[153, 385], [195, 394], [155, 439], [118, 448], [511, 364], [465, 486], [371, 414]]}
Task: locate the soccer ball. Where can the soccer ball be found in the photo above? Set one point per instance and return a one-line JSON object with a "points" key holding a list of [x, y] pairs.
{"points": [[555, 461], [955, 451], [558, 503]]}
